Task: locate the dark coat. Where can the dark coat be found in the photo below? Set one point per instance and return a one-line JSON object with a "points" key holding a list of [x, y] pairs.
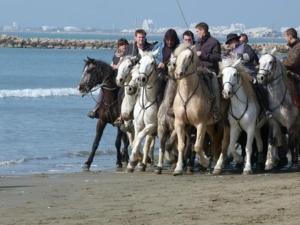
{"points": [[210, 53], [133, 49], [292, 62]]}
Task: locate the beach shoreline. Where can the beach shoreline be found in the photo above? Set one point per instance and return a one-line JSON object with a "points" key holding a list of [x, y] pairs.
{"points": [[145, 198]]}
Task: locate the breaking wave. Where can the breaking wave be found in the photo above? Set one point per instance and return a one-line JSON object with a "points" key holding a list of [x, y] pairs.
{"points": [[39, 92]]}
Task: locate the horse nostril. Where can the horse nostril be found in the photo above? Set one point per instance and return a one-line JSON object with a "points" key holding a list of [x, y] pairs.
{"points": [[143, 79], [121, 80]]}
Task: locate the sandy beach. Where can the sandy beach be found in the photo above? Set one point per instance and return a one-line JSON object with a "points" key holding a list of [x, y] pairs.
{"points": [[145, 198]]}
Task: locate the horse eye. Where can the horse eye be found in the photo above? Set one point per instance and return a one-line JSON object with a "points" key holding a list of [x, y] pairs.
{"points": [[152, 63], [234, 74]]}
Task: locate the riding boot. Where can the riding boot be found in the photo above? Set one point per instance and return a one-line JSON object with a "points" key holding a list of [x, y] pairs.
{"points": [[94, 112], [263, 101]]}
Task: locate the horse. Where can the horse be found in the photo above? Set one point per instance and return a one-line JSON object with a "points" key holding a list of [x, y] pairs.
{"points": [[272, 74], [97, 72], [165, 130], [244, 110], [145, 110], [126, 77], [193, 106]]}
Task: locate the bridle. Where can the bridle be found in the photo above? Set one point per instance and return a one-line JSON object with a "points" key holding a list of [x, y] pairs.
{"points": [[190, 63], [234, 93], [267, 73]]}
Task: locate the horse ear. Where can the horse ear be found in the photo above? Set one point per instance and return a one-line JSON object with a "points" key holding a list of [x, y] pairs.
{"points": [[237, 62], [141, 52], [134, 58], [154, 53], [88, 58], [263, 51], [273, 51]]}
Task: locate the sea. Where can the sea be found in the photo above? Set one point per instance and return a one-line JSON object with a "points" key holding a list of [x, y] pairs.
{"points": [[43, 122]]}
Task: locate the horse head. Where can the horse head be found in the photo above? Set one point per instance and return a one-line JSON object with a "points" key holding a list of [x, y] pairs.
{"points": [[147, 67], [94, 73], [267, 66], [186, 61], [230, 77], [125, 68]]}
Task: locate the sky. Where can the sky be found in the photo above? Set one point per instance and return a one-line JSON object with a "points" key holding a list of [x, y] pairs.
{"points": [[108, 14]]}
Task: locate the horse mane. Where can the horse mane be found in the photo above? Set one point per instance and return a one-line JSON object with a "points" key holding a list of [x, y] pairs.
{"points": [[245, 78]]}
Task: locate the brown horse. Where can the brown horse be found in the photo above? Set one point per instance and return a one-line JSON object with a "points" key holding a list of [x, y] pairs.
{"points": [[97, 72]]}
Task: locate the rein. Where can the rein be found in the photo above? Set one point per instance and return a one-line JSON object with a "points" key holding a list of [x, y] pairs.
{"points": [[185, 102]]}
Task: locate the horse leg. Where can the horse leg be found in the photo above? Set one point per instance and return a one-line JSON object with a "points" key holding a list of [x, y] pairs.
{"points": [[149, 129], [99, 131], [225, 143], [118, 147], [200, 135], [146, 148], [250, 137], [274, 139], [234, 136], [188, 155], [259, 144], [180, 130], [163, 138]]}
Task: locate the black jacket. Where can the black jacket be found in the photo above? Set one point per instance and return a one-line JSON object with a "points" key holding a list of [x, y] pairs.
{"points": [[210, 53]]}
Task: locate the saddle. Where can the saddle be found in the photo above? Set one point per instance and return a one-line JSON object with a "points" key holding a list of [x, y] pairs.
{"points": [[295, 88]]}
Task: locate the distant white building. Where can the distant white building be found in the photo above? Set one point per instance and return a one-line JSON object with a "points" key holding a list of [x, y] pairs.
{"points": [[148, 25], [71, 29]]}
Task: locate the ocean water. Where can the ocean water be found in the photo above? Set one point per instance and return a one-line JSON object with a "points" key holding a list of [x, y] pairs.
{"points": [[43, 122]]}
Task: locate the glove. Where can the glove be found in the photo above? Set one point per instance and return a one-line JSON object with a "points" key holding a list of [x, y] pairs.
{"points": [[245, 57]]}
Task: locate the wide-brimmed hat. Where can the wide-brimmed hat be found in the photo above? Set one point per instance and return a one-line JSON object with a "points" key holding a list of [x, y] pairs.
{"points": [[231, 37]]}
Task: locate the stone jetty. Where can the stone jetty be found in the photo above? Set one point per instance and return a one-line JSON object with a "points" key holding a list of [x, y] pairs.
{"points": [[48, 43]]}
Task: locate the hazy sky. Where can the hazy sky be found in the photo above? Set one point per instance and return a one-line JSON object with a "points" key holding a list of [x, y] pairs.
{"points": [[125, 14]]}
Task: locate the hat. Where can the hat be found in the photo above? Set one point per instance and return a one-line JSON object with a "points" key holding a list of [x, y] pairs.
{"points": [[122, 41], [231, 37]]}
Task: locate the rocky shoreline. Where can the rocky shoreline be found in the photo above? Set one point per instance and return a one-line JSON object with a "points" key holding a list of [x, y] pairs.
{"points": [[48, 43]]}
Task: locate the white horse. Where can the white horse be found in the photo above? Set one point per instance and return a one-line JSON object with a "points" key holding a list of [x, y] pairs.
{"points": [[145, 109], [272, 74], [244, 109]]}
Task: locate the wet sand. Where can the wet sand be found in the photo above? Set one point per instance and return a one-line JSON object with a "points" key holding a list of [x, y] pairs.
{"points": [[146, 198]]}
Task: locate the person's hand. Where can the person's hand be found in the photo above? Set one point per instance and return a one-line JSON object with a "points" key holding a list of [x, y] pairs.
{"points": [[161, 66], [115, 67], [198, 53], [246, 57]]}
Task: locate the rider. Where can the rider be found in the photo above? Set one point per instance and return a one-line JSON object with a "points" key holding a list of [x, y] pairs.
{"points": [[140, 42], [122, 45], [249, 58], [171, 41], [188, 37], [292, 62], [209, 53]]}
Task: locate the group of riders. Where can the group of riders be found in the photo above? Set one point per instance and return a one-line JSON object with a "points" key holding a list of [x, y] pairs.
{"points": [[209, 53]]}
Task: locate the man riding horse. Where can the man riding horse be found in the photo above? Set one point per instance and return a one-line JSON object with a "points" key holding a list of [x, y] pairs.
{"points": [[292, 62], [249, 58], [209, 53]]}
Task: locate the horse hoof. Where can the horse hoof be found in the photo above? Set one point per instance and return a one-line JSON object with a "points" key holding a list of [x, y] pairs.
{"points": [[158, 170], [177, 172], [189, 171], [142, 167], [86, 168], [217, 171], [130, 170], [247, 172]]}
